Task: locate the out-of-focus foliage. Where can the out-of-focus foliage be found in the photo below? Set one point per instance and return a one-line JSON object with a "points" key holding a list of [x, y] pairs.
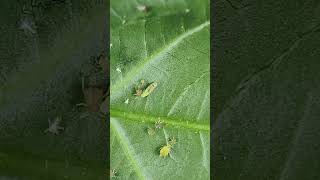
{"points": [[44, 45], [266, 123]]}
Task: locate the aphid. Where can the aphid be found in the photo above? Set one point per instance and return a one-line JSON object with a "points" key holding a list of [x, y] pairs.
{"points": [[138, 92], [165, 150], [139, 88], [187, 10], [95, 99], [127, 101], [151, 131], [149, 89], [54, 127], [172, 141], [113, 173], [159, 124], [141, 85]]}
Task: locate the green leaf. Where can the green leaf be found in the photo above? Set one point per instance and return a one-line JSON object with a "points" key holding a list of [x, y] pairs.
{"points": [[169, 45], [267, 90]]}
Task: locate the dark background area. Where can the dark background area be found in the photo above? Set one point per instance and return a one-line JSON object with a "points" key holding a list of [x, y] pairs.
{"points": [[266, 99], [45, 45]]}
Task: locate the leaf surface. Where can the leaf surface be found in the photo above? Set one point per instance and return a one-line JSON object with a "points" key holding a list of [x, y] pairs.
{"points": [[169, 45]]}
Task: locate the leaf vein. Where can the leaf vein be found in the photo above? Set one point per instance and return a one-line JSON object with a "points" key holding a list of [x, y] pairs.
{"points": [[175, 123], [116, 88], [115, 126]]}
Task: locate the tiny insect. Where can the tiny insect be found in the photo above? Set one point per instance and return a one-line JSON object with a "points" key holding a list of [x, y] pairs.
{"points": [[165, 150], [151, 131], [159, 124], [139, 88], [172, 141], [113, 173], [149, 89], [54, 127], [138, 92]]}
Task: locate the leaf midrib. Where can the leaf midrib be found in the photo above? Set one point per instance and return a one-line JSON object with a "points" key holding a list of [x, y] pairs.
{"points": [[142, 118], [116, 88], [128, 153], [170, 122]]}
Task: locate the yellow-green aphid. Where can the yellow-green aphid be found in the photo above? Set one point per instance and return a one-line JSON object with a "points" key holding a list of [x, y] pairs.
{"points": [[149, 89], [165, 150], [151, 131]]}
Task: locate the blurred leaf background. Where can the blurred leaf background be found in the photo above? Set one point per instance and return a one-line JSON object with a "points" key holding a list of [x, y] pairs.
{"points": [[266, 123], [44, 46]]}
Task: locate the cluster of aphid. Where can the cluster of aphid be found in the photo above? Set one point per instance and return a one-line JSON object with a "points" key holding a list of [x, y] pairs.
{"points": [[166, 149], [142, 90]]}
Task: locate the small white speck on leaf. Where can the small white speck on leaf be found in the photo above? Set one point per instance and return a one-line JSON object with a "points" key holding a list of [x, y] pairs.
{"points": [[187, 10], [110, 45], [142, 7], [28, 26], [124, 21], [54, 127], [118, 69], [127, 101]]}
